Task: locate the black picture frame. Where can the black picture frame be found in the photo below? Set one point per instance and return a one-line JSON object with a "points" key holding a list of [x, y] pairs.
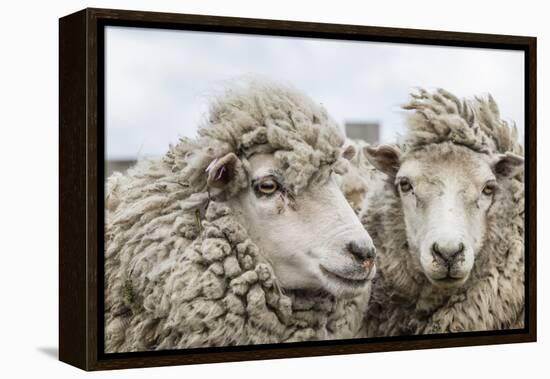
{"points": [[81, 160]]}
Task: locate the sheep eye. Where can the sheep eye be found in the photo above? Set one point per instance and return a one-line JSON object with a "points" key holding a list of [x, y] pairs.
{"points": [[267, 186], [405, 185], [489, 188]]}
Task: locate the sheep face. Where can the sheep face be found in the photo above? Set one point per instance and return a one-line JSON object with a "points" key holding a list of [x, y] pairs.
{"points": [[355, 182], [446, 192], [313, 240]]}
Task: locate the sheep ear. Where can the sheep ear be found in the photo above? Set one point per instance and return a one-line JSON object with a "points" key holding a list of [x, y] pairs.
{"points": [[384, 157], [349, 152], [507, 165], [221, 171]]}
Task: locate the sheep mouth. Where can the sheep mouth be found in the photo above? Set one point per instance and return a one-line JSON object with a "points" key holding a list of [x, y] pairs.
{"points": [[448, 281], [345, 281]]}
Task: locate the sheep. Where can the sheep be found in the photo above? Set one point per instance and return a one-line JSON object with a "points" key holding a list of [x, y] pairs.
{"points": [[240, 236], [449, 222], [356, 180]]}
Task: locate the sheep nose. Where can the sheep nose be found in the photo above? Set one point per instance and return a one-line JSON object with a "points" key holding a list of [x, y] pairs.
{"points": [[448, 253], [362, 250]]}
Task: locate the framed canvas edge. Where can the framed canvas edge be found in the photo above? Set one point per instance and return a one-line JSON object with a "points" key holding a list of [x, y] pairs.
{"points": [[80, 149], [73, 252]]}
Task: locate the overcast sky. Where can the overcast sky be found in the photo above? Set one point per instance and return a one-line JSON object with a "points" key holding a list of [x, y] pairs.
{"points": [[158, 82]]}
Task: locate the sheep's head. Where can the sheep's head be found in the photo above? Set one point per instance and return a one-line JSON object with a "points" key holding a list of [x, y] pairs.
{"points": [[355, 182], [312, 237], [271, 155], [447, 192]]}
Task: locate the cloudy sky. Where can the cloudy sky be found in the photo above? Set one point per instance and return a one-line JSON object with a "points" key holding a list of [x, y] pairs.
{"points": [[158, 82]]}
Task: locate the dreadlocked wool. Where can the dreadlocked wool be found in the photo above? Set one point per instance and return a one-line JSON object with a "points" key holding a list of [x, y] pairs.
{"points": [[180, 269]]}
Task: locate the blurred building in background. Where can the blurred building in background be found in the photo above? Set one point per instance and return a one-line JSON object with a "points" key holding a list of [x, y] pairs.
{"points": [[366, 131]]}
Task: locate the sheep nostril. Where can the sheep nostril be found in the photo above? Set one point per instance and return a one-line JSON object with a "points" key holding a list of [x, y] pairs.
{"points": [[362, 251], [447, 255], [371, 253], [436, 253]]}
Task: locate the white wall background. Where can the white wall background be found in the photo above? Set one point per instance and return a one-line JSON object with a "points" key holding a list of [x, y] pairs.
{"points": [[28, 197]]}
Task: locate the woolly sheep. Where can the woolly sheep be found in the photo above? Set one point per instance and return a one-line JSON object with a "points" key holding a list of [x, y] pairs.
{"points": [[239, 237], [449, 223], [357, 179]]}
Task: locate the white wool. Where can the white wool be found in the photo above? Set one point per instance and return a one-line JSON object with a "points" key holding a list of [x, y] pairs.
{"points": [[403, 302], [181, 271]]}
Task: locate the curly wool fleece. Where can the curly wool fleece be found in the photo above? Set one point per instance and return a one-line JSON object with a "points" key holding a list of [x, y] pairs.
{"points": [[403, 301], [181, 271]]}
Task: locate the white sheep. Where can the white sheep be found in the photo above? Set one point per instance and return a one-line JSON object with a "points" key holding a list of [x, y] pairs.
{"points": [[449, 223], [356, 181], [239, 237]]}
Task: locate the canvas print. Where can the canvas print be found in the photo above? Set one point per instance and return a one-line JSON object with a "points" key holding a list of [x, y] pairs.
{"points": [[270, 190]]}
